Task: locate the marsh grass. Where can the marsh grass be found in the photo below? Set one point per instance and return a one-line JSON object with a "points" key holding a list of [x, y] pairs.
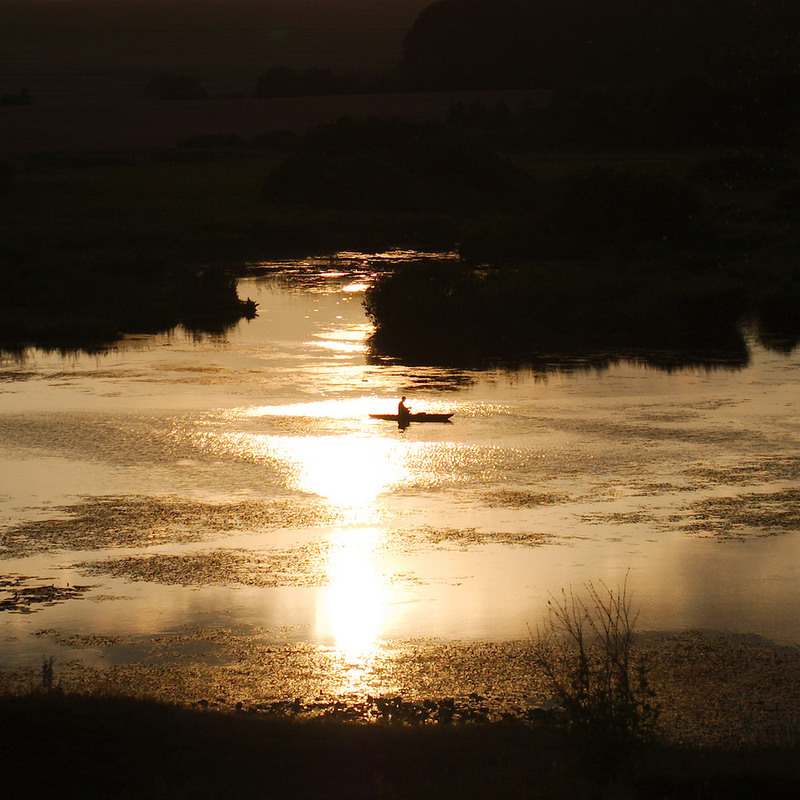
{"points": [[96, 745], [48, 676]]}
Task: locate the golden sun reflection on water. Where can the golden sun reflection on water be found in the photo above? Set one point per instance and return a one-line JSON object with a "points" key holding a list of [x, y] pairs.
{"points": [[349, 469], [350, 472], [352, 605]]}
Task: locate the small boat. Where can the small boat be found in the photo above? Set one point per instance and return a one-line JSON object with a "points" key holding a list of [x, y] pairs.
{"points": [[420, 416]]}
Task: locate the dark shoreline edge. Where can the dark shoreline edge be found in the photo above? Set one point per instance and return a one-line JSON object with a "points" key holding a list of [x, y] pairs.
{"points": [[89, 746]]}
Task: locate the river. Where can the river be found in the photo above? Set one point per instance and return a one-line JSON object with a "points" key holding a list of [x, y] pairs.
{"points": [[178, 490]]}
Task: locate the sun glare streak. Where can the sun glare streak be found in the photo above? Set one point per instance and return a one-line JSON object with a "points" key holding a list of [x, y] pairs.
{"points": [[339, 408], [338, 346], [350, 472], [353, 602], [354, 288]]}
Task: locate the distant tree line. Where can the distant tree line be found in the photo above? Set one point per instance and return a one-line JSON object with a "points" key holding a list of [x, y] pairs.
{"points": [[625, 73], [283, 81], [687, 112]]}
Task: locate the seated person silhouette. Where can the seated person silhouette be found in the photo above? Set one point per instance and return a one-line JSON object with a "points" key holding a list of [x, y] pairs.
{"points": [[403, 411]]}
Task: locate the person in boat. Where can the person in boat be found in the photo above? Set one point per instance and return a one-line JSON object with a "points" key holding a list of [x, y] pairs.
{"points": [[403, 411]]}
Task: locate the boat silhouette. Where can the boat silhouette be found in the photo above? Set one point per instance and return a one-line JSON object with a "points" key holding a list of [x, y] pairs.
{"points": [[420, 416]]}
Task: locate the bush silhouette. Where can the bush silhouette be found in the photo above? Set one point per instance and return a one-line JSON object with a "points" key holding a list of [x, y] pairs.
{"points": [[395, 166], [607, 210], [586, 651]]}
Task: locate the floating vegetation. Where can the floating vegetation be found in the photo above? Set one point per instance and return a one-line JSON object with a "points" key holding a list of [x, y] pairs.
{"points": [[93, 640], [745, 515], [773, 468], [20, 594], [472, 537], [519, 499], [620, 518], [393, 708], [105, 522], [301, 566]]}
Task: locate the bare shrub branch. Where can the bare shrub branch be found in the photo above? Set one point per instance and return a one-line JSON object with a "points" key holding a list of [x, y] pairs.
{"points": [[585, 649]]}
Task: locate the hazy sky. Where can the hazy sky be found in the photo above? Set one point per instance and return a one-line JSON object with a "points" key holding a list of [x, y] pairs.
{"points": [[72, 48]]}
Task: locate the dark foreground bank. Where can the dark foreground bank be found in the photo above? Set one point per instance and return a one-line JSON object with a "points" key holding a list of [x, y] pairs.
{"points": [[67, 745], [477, 726]]}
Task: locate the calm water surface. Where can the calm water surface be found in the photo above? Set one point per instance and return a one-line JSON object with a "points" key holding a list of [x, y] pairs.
{"points": [[237, 483]]}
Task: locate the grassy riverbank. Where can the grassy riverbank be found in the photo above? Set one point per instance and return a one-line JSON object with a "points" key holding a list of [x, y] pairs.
{"points": [[90, 746], [264, 726], [95, 245], [99, 244], [613, 249]]}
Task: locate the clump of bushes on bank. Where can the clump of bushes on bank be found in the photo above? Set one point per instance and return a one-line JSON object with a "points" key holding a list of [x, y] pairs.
{"points": [[83, 301], [397, 166], [560, 251], [458, 314], [601, 213]]}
